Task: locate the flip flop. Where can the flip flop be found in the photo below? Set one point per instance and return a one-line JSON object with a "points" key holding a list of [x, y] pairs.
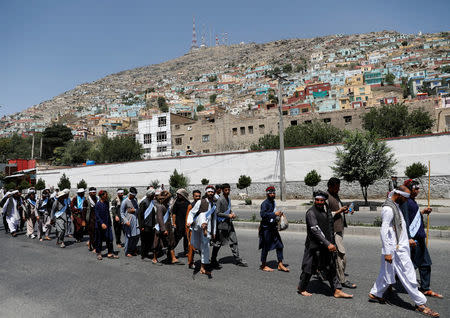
{"points": [[431, 293], [373, 298]]}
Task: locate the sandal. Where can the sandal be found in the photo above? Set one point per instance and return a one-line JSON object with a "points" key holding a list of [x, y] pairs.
{"points": [[99, 257], [373, 298], [114, 256], [427, 311], [432, 294]]}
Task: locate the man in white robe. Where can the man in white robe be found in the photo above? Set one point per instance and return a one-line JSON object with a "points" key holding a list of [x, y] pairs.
{"points": [[395, 258], [201, 219], [11, 210]]}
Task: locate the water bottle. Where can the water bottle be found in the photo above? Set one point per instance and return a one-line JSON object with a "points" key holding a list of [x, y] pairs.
{"points": [[351, 208]]}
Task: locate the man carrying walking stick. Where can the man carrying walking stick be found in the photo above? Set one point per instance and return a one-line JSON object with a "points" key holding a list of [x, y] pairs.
{"points": [[417, 237]]}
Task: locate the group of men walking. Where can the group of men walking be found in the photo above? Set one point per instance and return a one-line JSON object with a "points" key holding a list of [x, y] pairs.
{"points": [[162, 222]]}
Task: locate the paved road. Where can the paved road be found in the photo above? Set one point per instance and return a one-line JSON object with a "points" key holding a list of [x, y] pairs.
{"points": [[42, 280], [436, 219]]}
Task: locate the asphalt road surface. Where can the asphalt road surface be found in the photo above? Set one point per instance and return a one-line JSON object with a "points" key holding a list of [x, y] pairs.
{"points": [[39, 279], [359, 217]]}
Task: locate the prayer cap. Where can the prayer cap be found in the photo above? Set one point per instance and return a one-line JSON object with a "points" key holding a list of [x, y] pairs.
{"points": [[92, 189], [80, 190], [66, 191], [133, 190], [210, 188], [119, 191], [150, 191], [60, 194], [270, 189], [14, 191], [31, 190], [411, 184], [319, 194]]}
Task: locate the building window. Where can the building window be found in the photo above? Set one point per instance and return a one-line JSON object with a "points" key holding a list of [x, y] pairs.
{"points": [[190, 138], [327, 120], [304, 110], [308, 121], [250, 129], [161, 149], [162, 121], [293, 123], [177, 126], [189, 128], [147, 150], [285, 112], [205, 150], [234, 131], [242, 130], [161, 136], [348, 119], [178, 141], [147, 139], [261, 129], [205, 138]]}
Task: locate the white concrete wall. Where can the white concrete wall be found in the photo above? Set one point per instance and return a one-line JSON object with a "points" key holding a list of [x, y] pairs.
{"points": [[260, 166]]}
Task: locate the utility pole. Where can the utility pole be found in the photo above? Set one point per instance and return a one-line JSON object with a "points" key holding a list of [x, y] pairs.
{"points": [[281, 133], [40, 148], [32, 147]]}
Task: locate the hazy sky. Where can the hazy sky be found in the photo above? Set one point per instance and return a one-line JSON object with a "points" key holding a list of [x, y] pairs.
{"points": [[48, 47]]}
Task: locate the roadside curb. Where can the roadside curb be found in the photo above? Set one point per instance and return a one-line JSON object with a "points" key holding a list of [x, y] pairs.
{"points": [[351, 230], [304, 208]]}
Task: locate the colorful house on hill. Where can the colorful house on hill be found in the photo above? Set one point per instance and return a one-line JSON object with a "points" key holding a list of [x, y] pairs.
{"points": [[373, 78]]}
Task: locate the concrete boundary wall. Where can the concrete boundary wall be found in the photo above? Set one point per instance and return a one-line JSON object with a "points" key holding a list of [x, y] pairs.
{"points": [[263, 168]]}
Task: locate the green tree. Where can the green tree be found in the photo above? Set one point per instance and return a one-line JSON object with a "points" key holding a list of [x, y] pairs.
{"points": [[365, 159], [205, 181], [162, 104], [117, 149], [393, 120], [82, 184], [300, 67], [64, 182], [244, 182], [55, 136], [312, 179], [404, 43], [266, 142], [389, 79], [178, 181], [419, 122], [40, 184], [24, 184], [154, 184], [200, 108], [76, 152], [11, 185], [212, 98], [212, 78], [287, 68], [314, 133], [445, 69], [416, 170]]}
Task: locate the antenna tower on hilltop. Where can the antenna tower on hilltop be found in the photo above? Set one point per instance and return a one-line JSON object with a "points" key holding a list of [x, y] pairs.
{"points": [[194, 35]]}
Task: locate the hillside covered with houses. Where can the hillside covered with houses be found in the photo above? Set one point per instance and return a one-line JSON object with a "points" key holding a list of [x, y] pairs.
{"points": [[219, 93]]}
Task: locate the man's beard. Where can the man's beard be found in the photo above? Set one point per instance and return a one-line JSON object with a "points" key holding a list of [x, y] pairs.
{"points": [[399, 201], [320, 206]]}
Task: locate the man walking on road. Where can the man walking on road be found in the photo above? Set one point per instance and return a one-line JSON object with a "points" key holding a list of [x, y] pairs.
{"points": [[269, 237], [319, 247], [396, 258], [338, 211], [417, 238], [225, 229]]}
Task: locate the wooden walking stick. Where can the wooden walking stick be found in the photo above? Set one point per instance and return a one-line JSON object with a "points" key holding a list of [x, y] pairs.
{"points": [[429, 192]]}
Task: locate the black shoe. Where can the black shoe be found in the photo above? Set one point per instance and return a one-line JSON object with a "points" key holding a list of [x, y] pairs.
{"points": [[242, 264], [216, 265], [348, 284]]}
